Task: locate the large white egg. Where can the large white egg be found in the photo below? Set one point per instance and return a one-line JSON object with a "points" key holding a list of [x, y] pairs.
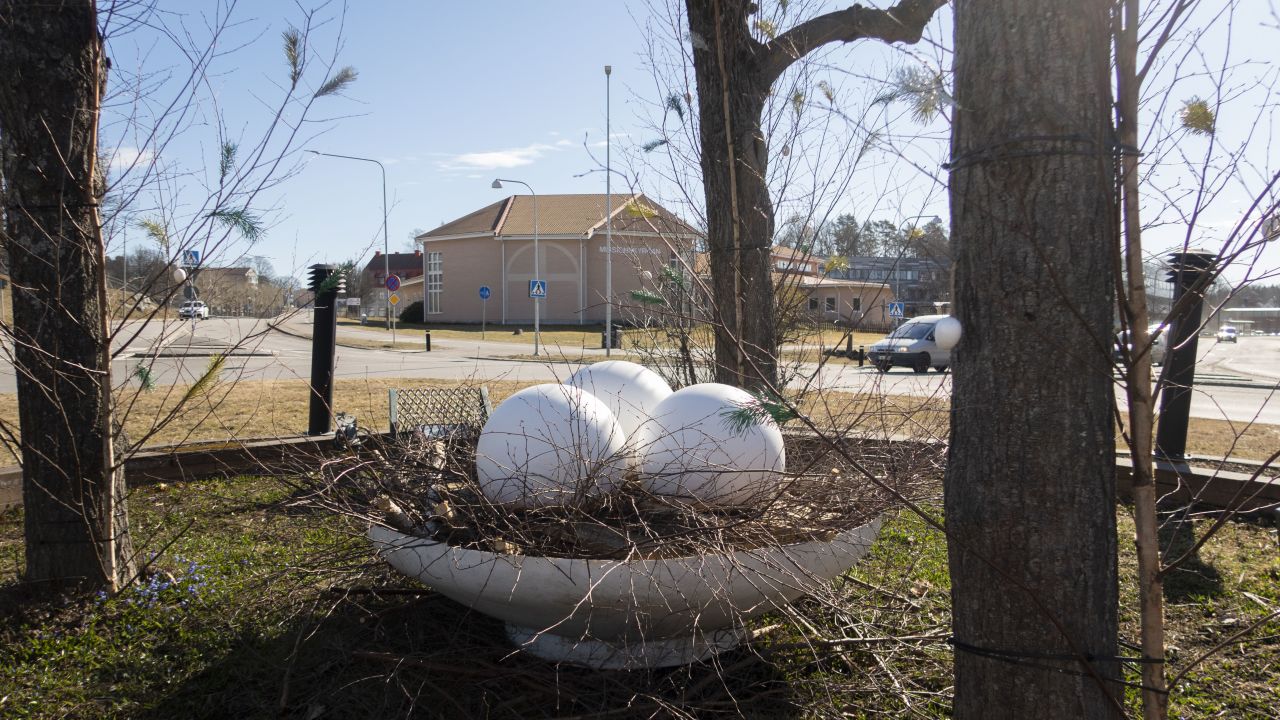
{"points": [[549, 445], [946, 332], [692, 449], [630, 390]]}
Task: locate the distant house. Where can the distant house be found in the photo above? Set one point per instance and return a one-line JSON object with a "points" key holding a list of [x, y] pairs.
{"points": [[863, 304], [851, 303], [1258, 319], [923, 284], [791, 260], [372, 285], [493, 247], [229, 290], [405, 265]]}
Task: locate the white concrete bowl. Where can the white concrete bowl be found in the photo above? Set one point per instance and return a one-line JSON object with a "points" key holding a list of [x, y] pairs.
{"points": [[610, 614]]}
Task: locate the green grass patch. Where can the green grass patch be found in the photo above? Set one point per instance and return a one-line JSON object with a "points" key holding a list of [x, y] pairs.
{"points": [[256, 605]]}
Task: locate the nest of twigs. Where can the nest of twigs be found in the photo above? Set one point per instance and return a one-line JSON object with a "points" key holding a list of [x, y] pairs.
{"points": [[427, 487]]}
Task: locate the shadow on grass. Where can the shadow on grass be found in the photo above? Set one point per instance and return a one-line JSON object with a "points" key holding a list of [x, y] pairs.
{"points": [[390, 654], [255, 609], [1193, 578]]}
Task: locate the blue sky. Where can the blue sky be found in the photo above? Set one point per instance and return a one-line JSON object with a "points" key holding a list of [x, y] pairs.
{"points": [[451, 95]]}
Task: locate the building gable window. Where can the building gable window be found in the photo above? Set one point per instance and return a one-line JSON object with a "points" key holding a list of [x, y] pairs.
{"points": [[435, 282], [855, 304], [831, 304]]}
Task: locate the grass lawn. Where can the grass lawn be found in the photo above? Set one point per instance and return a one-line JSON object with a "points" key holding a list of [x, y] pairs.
{"points": [[276, 408], [257, 606]]}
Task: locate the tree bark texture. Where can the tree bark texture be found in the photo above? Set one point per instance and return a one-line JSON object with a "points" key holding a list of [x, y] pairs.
{"points": [[1030, 486], [50, 92], [739, 209], [734, 73]]}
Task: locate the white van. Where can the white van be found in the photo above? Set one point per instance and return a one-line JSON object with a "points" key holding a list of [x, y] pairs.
{"points": [[1159, 335], [194, 309], [911, 345]]}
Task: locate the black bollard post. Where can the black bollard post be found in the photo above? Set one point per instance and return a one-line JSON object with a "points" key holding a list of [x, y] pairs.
{"points": [[326, 283], [1187, 272], [862, 355]]}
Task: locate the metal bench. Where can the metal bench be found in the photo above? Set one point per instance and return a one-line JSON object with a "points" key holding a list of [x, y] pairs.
{"points": [[439, 412]]}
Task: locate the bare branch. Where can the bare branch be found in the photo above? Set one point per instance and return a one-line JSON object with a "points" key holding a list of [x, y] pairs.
{"points": [[903, 22]]}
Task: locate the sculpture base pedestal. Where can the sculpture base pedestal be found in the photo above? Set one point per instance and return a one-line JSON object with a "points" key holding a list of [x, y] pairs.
{"points": [[603, 655]]}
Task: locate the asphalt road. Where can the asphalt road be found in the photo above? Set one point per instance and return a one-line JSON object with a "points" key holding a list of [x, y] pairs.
{"points": [[1253, 361]]}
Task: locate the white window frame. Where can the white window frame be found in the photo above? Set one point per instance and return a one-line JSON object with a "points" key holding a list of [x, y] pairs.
{"points": [[813, 304], [831, 305], [434, 283], [856, 304]]}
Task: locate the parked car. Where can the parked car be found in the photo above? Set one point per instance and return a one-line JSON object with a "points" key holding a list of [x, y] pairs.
{"points": [[194, 309], [1227, 333], [912, 345], [1159, 345]]}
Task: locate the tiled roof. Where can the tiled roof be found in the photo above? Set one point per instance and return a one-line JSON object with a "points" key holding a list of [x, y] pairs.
{"points": [[565, 215], [401, 264], [483, 220], [782, 251]]}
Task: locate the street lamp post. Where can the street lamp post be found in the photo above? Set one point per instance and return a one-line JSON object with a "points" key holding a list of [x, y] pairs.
{"points": [[608, 223], [386, 253], [537, 302]]}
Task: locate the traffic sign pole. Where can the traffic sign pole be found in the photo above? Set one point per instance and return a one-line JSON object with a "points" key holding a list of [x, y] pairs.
{"points": [[485, 292], [392, 284]]}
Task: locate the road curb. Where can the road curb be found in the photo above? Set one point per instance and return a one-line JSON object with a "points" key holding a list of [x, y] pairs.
{"points": [[339, 343], [203, 353]]}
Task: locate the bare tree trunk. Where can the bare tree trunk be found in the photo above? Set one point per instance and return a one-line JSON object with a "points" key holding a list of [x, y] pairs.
{"points": [[740, 219], [734, 73], [50, 92], [1030, 487]]}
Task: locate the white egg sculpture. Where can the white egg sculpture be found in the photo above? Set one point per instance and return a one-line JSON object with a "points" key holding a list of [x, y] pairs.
{"points": [[549, 445], [946, 332], [630, 390], [694, 450]]}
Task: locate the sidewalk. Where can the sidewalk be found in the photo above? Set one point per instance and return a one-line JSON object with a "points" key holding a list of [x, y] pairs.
{"points": [[412, 341]]}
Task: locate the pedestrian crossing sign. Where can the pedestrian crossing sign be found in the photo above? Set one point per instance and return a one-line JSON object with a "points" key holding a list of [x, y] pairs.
{"points": [[537, 288]]}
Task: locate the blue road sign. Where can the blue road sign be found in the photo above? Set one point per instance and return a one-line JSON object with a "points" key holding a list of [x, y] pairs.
{"points": [[897, 309], [393, 282], [190, 258], [485, 292], [537, 288]]}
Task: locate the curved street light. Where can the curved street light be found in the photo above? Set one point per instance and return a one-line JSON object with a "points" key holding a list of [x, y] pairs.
{"points": [[386, 253], [608, 221], [537, 325]]}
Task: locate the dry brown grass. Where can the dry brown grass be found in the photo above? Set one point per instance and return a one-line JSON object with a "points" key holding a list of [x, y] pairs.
{"points": [[250, 409], [277, 408]]}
